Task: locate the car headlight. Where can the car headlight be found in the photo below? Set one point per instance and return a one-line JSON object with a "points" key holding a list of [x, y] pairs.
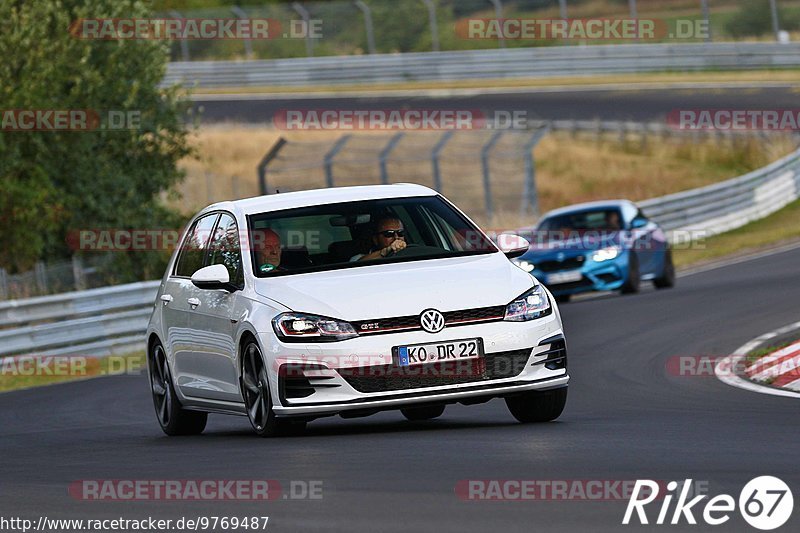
{"points": [[533, 304], [524, 265], [605, 254], [300, 327]]}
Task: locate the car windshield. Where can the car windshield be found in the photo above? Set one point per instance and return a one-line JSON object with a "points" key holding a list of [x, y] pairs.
{"points": [[353, 234], [580, 222]]}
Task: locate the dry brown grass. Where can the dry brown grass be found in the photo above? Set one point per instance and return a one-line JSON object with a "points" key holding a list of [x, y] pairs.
{"points": [[569, 169]]}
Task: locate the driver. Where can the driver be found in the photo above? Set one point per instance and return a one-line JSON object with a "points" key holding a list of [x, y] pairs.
{"points": [[612, 221], [388, 238]]}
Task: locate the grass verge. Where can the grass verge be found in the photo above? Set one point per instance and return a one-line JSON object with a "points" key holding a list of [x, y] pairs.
{"points": [[782, 226], [666, 78]]}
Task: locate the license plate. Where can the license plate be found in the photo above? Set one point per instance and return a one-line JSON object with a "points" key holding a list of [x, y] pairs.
{"points": [[567, 276], [421, 354]]}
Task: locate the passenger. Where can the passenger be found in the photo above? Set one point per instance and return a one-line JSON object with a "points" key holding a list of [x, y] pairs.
{"points": [[267, 244], [388, 238]]}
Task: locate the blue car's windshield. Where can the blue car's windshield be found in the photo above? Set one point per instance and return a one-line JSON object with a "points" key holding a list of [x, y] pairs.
{"points": [[605, 220]]}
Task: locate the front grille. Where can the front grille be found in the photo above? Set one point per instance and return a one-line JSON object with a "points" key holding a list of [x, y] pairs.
{"points": [[385, 378], [567, 264], [451, 318]]}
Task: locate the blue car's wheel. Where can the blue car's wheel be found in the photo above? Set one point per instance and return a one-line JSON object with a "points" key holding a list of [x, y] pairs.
{"points": [[667, 278], [631, 284]]}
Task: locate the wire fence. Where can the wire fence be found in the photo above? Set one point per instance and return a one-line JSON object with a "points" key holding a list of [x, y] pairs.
{"points": [[344, 27], [79, 273]]}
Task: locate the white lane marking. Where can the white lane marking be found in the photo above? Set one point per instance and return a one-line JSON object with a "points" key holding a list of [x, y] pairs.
{"points": [[724, 367]]}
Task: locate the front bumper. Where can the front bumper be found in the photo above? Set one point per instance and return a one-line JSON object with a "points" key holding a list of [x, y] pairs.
{"points": [[604, 276], [336, 377]]}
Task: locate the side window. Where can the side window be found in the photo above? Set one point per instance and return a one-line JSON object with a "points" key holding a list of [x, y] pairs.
{"points": [[193, 249], [225, 249]]}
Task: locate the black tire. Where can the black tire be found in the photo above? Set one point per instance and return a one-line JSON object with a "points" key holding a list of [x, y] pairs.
{"points": [[631, 285], [564, 298], [172, 417], [257, 398], [667, 278], [427, 412], [537, 406]]}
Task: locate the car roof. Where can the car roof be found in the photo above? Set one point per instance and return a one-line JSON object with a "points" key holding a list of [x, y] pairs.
{"points": [[586, 206], [333, 195]]}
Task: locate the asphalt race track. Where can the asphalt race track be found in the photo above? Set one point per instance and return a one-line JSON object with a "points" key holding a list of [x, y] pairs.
{"points": [[626, 418], [641, 105]]}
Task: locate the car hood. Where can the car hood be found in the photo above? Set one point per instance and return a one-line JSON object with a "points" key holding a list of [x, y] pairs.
{"points": [[400, 289]]}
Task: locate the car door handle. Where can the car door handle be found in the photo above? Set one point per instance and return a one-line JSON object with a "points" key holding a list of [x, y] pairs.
{"points": [[194, 302], [166, 298]]}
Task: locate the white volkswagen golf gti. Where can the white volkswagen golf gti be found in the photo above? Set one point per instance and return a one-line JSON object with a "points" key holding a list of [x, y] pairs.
{"points": [[348, 301]]}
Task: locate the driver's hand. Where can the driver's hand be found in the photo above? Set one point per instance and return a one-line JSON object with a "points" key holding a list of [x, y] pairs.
{"points": [[395, 247]]}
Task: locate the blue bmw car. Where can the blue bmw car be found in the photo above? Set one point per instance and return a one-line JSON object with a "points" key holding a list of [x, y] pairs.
{"points": [[598, 246]]}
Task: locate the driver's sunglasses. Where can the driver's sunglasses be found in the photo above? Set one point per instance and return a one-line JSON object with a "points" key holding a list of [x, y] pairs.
{"points": [[389, 233]]}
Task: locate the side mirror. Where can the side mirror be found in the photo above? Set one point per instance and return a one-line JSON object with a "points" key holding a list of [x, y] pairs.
{"points": [[638, 222], [512, 245], [213, 277]]}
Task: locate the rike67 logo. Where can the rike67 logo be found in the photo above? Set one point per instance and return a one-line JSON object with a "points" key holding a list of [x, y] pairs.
{"points": [[765, 503]]}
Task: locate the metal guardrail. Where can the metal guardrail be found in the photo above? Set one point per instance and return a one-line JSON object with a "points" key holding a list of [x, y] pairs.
{"points": [[730, 204], [91, 322], [486, 64], [113, 319]]}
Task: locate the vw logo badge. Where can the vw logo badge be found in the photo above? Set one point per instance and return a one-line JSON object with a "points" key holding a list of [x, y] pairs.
{"points": [[431, 321], [560, 257]]}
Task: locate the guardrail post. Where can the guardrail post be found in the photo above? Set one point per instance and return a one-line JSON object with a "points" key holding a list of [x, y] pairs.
{"points": [[704, 7], [435, 153], [248, 45], [184, 42], [498, 14], [3, 284], [265, 161], [337, 147], [40, 274], [434, 27], [487, 181], [77, 273], [773, 7], [562, 8], [530, 197], [368, 25], [384, 155], [306, 16]]}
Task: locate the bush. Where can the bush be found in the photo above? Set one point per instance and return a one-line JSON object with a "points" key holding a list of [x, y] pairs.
{"points": [[52, 182]]}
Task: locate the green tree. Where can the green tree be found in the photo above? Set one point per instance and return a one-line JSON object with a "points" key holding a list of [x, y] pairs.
{"points": [[54, 182]]}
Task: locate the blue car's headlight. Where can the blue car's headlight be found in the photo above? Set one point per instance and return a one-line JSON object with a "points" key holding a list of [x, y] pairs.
{"points": [[606, 254], [533, 304], [527, 266]]}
